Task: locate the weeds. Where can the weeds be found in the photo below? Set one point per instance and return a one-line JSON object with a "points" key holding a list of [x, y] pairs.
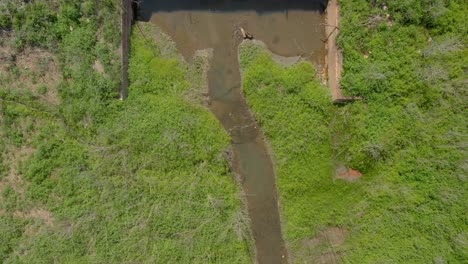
{"points": [[137, 181], [406, 136]]}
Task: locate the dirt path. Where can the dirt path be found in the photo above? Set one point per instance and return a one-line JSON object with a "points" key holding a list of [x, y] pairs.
{"points": [[195, 25]]}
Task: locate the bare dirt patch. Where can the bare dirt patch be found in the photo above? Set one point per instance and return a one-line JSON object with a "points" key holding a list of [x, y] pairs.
{"points": [[347, 174], [39, 72], [323, 248], [33, 69], [7, 58], [98, 67], [39, 214], [14, 179]]}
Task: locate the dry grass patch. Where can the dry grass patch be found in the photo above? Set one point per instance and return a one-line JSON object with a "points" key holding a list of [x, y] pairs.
{"points": [[39, 72], [323, 248], [13, 178], [32, 70], [36, 213]]}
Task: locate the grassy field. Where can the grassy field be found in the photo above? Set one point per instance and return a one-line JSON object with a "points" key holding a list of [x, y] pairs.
{"points": [[407, 136], [86, 178]]}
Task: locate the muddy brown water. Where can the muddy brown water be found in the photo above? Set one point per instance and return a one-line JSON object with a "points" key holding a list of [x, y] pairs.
{"points": [[197, 25]]}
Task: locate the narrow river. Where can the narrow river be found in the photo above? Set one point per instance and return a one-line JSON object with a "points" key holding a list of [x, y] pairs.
{"points": [[288, 28]]}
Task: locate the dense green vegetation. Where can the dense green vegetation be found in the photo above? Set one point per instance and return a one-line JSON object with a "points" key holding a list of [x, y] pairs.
{"points": [[295, 113], [407, 136], [90, 179], [85, 178]]}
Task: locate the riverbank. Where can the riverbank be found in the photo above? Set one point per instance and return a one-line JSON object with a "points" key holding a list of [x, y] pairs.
{"points": [[294, 112]]}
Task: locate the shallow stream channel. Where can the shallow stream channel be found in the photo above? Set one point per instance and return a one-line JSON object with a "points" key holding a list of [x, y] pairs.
{"points": [[288, 28]]}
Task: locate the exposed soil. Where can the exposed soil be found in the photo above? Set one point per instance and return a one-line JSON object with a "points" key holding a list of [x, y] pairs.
{"points": [[98, 67], [7, 58], [40, 214], [281, 60], [36, 68], [13, 178], [324, 248], [199, 25], [347, 174]]}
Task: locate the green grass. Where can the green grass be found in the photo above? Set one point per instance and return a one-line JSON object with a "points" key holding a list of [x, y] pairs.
{"points": [[104, 181], [407, 136], [95, 180], [295, 113]]}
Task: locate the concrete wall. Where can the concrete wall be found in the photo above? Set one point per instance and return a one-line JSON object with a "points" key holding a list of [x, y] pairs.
{"points": [[334, 55], [127, 19]]}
